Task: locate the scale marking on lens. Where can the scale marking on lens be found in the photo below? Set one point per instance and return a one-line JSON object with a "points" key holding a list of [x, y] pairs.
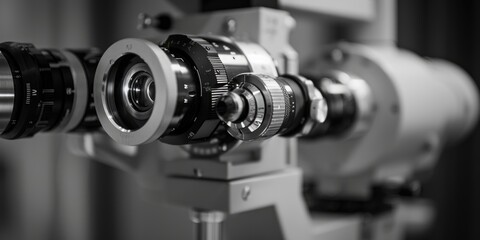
{"points": [[48, 90], [27, 100]]}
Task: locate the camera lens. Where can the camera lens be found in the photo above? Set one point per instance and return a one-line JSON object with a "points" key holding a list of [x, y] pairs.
{"points": [[144, 91], [45, 90]]}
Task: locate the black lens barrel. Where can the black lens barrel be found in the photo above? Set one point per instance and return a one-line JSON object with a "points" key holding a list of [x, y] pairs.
{"points": [[211, 74], [296, 99], [342, 108], [44, 89]]}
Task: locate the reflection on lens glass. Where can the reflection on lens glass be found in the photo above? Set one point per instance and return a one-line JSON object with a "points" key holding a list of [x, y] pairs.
{"points": [[151, 91], [142, 91], [132, 95]]}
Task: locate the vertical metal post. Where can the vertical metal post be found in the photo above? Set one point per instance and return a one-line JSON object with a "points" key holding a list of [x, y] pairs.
{"points": [[208, 224]]}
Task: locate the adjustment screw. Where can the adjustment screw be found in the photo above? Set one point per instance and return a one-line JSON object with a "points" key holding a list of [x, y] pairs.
{"points": [[230, 26], [246, 193]]}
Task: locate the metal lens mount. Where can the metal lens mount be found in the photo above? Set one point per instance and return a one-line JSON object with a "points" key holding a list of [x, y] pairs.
{"points": [[135, 91], [130, 94], [141, 91]]}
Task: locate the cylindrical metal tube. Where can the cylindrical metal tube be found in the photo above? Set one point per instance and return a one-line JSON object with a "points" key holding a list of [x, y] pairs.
{"points": [[45, 90], [208, 224], [7, 93], [417, 106]]}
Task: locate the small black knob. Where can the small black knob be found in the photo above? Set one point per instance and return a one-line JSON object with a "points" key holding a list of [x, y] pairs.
{"points": [[161, 21]]}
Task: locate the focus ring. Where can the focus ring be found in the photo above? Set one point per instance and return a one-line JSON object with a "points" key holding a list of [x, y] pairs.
{"points": [[220, 87], [265, 105], [50, 105], [278, 105], [216, 94], [213, 80]]}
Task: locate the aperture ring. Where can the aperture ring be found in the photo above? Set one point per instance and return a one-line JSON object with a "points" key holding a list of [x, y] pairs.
{"points": [[213, 80], [278, 103], [52, 85], [219, 85], [266, 107], [26, 111]]}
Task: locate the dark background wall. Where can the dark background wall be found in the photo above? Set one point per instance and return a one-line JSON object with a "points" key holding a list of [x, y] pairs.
{"points": [[450, 30]]}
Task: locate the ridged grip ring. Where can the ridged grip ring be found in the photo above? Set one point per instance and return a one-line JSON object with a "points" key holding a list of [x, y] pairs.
{"points": [[265, 107], [279, 105]]}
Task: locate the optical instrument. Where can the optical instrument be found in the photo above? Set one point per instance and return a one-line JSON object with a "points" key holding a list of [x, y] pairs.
{"points": [[144, 91], [45, 90], [191, 90], [190, 73]]}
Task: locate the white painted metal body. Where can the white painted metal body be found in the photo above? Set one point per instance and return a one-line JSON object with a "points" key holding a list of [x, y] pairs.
{"points": [[419, 106]]}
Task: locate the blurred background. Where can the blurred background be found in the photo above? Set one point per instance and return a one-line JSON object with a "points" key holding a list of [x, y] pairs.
{"points": [[48, 193]]}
